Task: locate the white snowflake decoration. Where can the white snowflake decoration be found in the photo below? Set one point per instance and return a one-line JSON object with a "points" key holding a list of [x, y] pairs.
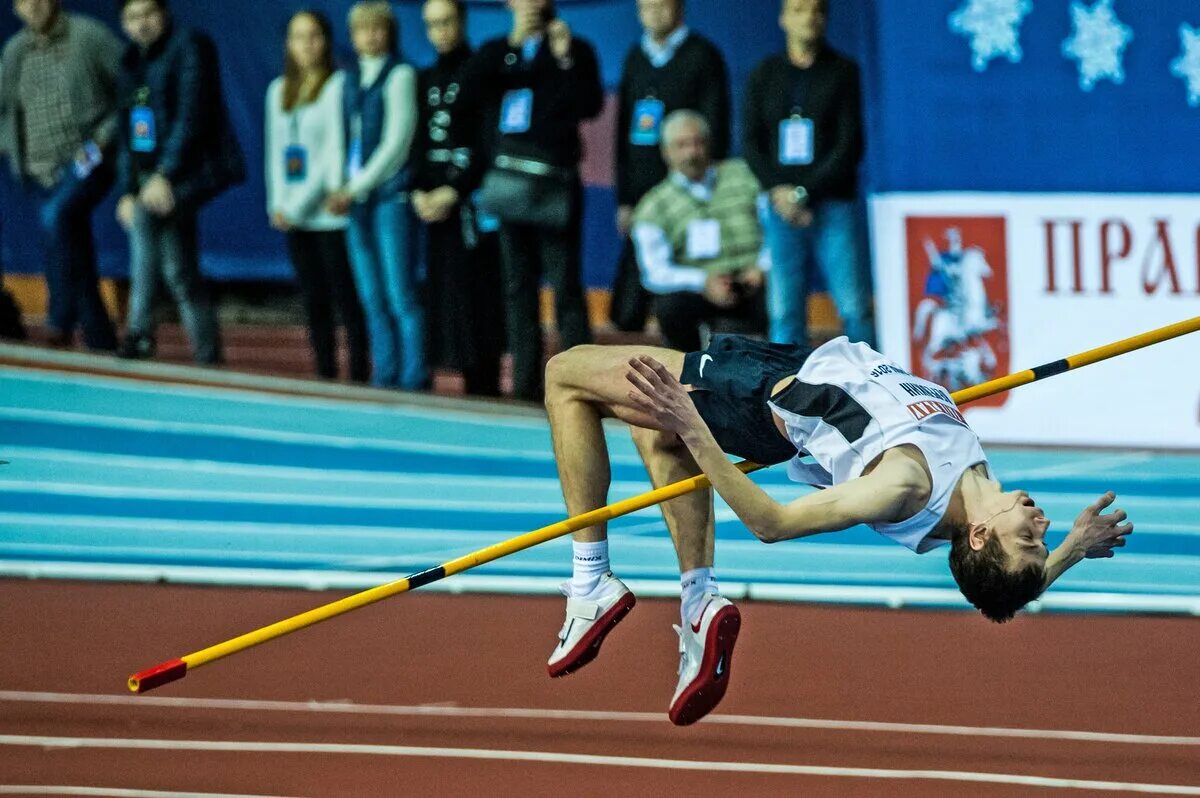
{"points": [[993, 27], [1097, 42], [1187, 65]]}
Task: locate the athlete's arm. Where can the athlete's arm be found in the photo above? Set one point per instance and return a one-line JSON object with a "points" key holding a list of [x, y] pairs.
{"points": [[1092, 536], [882, 496]]}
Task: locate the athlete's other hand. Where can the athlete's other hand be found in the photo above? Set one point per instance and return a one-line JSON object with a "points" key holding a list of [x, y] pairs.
{"points": [[1094, 534], [658, 394]]}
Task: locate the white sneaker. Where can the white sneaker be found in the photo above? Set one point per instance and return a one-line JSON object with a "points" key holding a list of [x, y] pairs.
{"points": [[588, 623], [705, 655]]}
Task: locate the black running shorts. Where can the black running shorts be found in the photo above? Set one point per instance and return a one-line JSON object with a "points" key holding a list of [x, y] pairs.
{"points": [[732, 382]]}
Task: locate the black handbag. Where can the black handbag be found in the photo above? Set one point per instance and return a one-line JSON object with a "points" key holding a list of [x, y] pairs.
{"points": [[529, 192]]}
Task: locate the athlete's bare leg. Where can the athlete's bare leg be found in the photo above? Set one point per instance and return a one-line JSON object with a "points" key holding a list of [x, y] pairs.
{"points": [[690, 517], [586, 384]]}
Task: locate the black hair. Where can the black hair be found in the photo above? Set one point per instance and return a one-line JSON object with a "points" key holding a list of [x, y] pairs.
{"points": [[985, 580]]}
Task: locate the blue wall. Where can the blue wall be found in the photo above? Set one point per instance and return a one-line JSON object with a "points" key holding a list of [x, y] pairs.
{"points": [[934, 122], [1028, 126]]}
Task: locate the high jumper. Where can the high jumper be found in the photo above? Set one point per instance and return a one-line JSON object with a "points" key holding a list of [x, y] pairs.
{"points": [[889, 450]]}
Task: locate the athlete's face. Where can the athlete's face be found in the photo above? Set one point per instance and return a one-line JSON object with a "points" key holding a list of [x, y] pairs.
{"points": [[1021, 530]]}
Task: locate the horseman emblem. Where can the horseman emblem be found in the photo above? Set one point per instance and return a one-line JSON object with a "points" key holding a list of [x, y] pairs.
{"points": [[958, 293]]}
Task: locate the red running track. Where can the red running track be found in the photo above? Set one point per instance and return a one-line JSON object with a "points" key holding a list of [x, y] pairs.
{"points": [[426, 674]]}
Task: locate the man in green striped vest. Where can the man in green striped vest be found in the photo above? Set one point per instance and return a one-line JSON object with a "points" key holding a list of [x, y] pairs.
{"points": [[698, 239]]}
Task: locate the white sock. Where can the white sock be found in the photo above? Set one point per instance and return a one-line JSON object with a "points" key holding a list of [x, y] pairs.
{"points": [[696, 586], [589, 562]]}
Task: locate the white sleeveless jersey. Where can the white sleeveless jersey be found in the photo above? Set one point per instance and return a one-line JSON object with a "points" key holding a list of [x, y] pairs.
{"points": [[849, 404]]}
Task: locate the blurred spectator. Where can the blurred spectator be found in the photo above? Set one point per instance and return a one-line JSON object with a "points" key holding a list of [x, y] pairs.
{"points": [[671, 69], [57, 124], [380, 112], [803, 138], [545, 81], [466, 329], [177, 152], [11, 326], [698, 239], [304, 160]]}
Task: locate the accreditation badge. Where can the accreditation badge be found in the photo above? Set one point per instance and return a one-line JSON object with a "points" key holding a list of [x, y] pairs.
{"points": [[516, 111], [295, 163], [143, 133], [703, 239], [646, 126], [796, 141]]}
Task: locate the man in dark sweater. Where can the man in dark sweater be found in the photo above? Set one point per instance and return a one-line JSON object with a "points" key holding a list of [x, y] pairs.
{"points": [[545, 81], [464, 313], [802, 136], [671, 69], [177, 151]]}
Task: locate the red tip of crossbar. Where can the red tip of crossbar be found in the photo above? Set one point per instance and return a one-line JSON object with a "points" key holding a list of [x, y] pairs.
{"points": [[157, 676]]}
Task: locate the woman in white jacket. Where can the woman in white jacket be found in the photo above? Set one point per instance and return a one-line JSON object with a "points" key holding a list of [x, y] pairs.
{"points": [[304, 162]]}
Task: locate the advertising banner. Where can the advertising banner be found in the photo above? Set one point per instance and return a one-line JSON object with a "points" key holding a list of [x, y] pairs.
{"points": [[971, 286]]}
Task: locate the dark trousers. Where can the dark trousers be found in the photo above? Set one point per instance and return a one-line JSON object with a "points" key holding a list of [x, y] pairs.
{"points": [[327, 285], [680, 315], [11, 326], [528, 254], [65, 214], [167, 249], [630, 301], [465, 312]]}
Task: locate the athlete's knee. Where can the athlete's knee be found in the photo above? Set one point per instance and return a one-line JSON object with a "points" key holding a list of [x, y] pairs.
{"points": [[562, 372]]}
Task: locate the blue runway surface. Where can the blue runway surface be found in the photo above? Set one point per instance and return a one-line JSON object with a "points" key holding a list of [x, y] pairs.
{"points": [[115, 479]]}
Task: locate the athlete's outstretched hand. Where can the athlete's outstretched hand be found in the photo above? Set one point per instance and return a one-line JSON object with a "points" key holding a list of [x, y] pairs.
{"points": [[1094, 534], [658, 394]]}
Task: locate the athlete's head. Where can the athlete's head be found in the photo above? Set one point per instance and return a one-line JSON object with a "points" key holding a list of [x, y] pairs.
{"points": [[1000, 562]]}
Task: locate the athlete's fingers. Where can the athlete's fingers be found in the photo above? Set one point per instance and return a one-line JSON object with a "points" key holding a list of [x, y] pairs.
{"points": [[1118, 516], [1117, 543], [645, 404], [645, 371], [657, 373], [662, 371], [1124, 529], [1103, 501], [640, 383]]}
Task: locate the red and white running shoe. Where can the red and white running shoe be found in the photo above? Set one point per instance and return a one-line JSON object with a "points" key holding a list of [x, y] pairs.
{"points": [[705, 655], [588, 622]]}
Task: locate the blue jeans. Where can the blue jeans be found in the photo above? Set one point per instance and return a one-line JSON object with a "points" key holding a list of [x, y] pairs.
{"points": [[834, 240], [382, 255], [65, 215]]}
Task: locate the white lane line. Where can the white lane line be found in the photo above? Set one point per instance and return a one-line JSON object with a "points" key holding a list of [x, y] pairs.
{"points": [[586, 759], [116, 792], [430, 710], [19, 456]]}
